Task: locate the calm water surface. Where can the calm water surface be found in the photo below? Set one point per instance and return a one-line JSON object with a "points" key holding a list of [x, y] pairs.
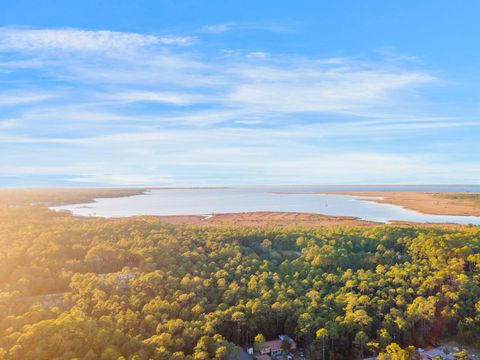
{"points": [[295, 199]]}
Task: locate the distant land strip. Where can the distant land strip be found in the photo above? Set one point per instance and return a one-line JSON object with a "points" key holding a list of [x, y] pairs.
{"points": [[433, 203]]}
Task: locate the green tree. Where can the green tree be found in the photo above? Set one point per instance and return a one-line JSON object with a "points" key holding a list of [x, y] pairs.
{"points": [[259, 342], [322, 334]]}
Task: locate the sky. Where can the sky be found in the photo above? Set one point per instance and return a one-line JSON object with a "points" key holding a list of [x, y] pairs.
{"points": [[199, 93]]}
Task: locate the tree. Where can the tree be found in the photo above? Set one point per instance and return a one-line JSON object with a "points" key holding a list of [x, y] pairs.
{"points": [[384, 338], [221, 352], [374, 347], [110, 354], [198, 292], [461, 355], [259, 342], [360, 340], [322, 334], [286, 345], [266, 244], [395, 352]]}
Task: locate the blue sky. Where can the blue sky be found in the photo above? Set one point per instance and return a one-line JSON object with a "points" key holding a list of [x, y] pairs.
{"points": [[115, 93]]}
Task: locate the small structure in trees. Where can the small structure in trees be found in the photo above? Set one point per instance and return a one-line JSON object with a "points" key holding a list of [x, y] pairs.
{"points": [[275, 348]]}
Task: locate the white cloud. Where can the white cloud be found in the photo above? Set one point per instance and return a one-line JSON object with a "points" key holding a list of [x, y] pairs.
{"points": [[24, 97], [218, 28], [257, 55], [93, 115], [120, 179], [7, 124], [305, 87], [152, 96], [166, 113], [255, 26], [255, 82], [35, 40], [257, 166], [75, 115], [88, 173]]}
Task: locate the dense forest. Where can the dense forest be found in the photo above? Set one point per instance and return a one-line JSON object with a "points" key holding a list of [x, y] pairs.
{"points": [[137, 288]]}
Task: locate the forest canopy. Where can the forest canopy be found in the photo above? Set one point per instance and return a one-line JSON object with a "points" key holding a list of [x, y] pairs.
{"points": [[138, 288]]}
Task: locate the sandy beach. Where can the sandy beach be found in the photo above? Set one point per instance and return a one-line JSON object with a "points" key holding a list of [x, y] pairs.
{"points": [[423, 202]]}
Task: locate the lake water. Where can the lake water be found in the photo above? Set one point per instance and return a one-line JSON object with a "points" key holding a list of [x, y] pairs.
{"points": [[206, 201]]}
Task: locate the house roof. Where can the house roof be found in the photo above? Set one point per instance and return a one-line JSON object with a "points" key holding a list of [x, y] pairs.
{"points": [[274, 344]]}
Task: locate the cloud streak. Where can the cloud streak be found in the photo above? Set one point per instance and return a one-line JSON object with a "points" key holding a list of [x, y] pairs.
{"points": [[11, 98], [164, 110], [225, 27], [39, 40]]}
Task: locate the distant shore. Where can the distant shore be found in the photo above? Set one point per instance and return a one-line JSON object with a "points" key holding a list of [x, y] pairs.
{"points": [[63, 196], [76, 195], [460, 204], [423, 202]]}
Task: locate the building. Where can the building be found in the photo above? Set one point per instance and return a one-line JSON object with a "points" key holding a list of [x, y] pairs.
{"points": [[273, 348]]}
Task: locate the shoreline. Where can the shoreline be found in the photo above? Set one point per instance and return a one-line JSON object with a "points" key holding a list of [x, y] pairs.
{"points": [[59, 196], [429, 203], [460, 204], [63, 196]]}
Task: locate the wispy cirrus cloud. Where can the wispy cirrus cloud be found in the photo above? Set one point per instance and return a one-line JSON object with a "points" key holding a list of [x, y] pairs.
{"points": [[151, 106], [249, 166], [255, 81], [35, 40], [218, 28], [5, 124], [17, 97], [307, 87], [174, 98], [225, 27]]}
